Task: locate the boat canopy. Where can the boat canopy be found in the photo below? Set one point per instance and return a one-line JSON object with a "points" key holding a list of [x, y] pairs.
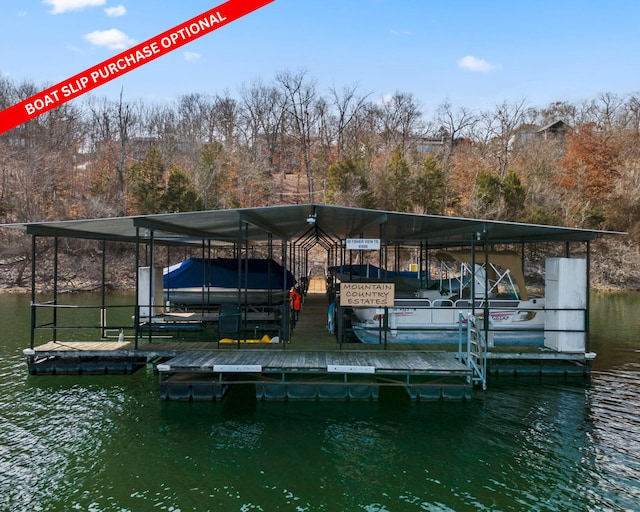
{"points": [[371, 271], [509, 260]]}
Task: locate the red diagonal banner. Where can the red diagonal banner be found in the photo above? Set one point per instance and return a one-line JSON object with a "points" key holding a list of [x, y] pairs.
{"points": [[126, 61]]}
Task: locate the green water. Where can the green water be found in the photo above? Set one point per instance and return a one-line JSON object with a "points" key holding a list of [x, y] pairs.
{"points": [[109, 443]]}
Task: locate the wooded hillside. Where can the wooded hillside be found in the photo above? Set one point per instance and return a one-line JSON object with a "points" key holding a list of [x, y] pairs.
{"points": [[285, 141]]}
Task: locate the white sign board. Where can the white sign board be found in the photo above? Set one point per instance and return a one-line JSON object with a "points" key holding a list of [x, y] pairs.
{"points": [[363, 244], [341, 368], [237, 368]]}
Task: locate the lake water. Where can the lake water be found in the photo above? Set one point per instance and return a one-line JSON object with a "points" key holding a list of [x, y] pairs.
{"points": [[87, 443]]}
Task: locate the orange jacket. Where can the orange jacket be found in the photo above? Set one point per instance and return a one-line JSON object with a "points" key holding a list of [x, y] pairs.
{"points": [[295, 299]]}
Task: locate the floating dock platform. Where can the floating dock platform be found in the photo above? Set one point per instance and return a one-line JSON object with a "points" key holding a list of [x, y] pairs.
{"points": [[291, 374], [312, 366]]}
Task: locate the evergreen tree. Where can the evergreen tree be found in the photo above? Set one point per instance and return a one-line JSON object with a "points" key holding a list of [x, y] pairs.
{"points": [[429, 191], [179, 195], [488, 190], [146, 183], [347, 183], [212, 175], [514, 195], [399, 184]]}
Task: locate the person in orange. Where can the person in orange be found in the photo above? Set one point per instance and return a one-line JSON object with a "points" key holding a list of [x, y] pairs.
{"points": [[295, 302]]}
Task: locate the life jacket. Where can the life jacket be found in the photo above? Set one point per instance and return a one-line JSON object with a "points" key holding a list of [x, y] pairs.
{"points": [[295, 299]]}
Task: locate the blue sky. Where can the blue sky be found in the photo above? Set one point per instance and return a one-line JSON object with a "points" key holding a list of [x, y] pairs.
{"points": [[472, 53]]}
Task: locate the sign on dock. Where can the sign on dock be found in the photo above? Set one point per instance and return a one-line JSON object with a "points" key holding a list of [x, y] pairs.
{"points": [[367, 294], [363, 244]]}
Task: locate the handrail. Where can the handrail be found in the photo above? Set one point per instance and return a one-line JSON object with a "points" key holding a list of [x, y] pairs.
{"points": [[50, 304], [475, 356], [81, 317], [56, 325]]}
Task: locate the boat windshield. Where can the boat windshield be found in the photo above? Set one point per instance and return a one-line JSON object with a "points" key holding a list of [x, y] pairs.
{"points": [[502, 276]]}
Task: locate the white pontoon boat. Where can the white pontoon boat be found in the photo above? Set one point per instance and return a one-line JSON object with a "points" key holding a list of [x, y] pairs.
{"points": [[433, 314]]}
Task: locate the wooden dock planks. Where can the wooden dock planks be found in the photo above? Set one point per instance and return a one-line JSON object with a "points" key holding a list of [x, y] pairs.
{"points": [[423, 363]]}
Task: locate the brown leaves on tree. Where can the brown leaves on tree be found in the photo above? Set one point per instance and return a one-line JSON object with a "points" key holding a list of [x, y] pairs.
{"points": [[591, 163]]}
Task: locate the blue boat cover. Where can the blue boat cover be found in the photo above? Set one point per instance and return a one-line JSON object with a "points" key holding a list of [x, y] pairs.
{"points": [[263, 274]]}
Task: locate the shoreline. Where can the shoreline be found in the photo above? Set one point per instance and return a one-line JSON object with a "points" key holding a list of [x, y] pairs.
{"points": [[614, 268]]}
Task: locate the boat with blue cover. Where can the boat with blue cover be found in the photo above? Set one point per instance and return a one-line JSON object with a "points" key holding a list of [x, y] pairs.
{"points": [[214, 281]]}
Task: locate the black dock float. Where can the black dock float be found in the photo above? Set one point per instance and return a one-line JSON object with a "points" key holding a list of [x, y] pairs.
{"points": [[92, 358], [85, 365], [551, 364]]}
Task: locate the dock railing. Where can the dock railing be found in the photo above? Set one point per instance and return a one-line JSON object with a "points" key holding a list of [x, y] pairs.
{"points": [[82, 321], [78, 318]]}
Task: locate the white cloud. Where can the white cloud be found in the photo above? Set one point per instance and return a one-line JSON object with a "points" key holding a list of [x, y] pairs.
{"points": [[385, 99], [115, 11], [112, 39], [191, 56], [476, 64], [60, 6], [21, 14]]}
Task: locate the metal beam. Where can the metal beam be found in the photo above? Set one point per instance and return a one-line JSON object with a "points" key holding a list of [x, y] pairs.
{"points": [[168, 227], [266, 226], [355, 232], [429, 234], [53, 231]]}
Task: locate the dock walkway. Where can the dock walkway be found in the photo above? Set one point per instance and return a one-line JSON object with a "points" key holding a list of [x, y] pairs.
{"points": [[414, 363], [313, 365]]}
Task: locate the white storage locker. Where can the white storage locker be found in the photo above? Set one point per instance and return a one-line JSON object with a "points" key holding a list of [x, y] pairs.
{"points": [[148, 281], [565, 304]]}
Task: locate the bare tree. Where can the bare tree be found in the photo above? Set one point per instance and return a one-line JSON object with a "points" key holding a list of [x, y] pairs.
{"points": [[38, 160], [302, 117], [500, 127], [158, 124], [348, 107], [632, 114], [227, 119], [193, 117], [607, 111], [454, 123], [557, 111], [113, 124], [401, 120], [263, 111]]}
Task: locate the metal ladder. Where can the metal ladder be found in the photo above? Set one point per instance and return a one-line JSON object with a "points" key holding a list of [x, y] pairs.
{"points": [[476, 349]]}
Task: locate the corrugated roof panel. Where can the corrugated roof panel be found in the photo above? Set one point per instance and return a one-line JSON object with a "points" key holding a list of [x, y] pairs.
{"points": [[294, 221]]}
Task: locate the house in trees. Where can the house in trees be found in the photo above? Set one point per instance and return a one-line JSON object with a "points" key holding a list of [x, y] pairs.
{"points": [[426, 145], [557, 129], [530, 132]]}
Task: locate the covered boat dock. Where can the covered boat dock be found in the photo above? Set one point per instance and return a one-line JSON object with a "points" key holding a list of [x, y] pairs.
{"points": [[201, 350]]}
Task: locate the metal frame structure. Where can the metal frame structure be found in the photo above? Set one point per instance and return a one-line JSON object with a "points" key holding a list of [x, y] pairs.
{"points": [[298, 228]]}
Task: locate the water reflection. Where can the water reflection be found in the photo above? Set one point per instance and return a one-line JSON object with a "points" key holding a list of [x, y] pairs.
{"points": [[615, 416], [110, 444]]}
